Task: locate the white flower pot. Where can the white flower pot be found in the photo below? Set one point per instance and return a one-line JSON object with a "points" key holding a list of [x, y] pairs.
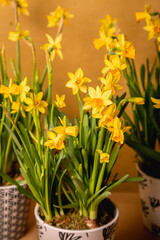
{"points": [[14, 209], [47, 232], [149, 191]]}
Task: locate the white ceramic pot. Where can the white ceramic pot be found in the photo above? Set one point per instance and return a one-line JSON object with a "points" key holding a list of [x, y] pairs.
{"points": [[106, 232], [149, 191], [14, 209]]}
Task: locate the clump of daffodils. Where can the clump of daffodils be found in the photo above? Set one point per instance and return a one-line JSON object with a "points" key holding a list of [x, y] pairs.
{"points": [[145, 132], [91, 154]]}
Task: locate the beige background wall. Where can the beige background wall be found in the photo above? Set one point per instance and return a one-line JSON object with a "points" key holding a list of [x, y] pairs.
{"points": [[78, 48]]}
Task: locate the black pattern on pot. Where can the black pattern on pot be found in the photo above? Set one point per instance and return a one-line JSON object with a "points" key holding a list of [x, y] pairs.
{"points": [[154, 202], [108, 232], [145, 208], [68, 236], [14, 209], [41, 229]]}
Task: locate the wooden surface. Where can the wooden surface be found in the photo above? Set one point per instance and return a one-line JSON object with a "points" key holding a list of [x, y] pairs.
{"points": [[130, 226]]}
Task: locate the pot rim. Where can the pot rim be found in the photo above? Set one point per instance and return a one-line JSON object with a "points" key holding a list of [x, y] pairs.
{"points": [[115, 219], [142, 172], [22, 183]]}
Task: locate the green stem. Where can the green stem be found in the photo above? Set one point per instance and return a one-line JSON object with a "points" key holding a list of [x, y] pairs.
{"points": [[101, 174], [52, 114], [18, 59], [17, 42], [80, 104], [5, 69], [81, 128], [38, 131], [96, 160], [34, 64], [43, 76], [1, 128], [50, 71], [47, 198]]}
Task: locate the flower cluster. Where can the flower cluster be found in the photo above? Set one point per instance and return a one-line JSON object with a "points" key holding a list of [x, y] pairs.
{"points": [[23, 100], [100, 100], [59, 134], [152, 23]]}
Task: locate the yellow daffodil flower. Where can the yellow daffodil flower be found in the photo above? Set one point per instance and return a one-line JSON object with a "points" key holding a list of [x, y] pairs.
{"points": [[55, 17], [77, 81], [18, 106], [35, 102], [117, 131], [109, 25], [103, 40], [156, 101], [65, 130], [97, 100], [12, 89], [126, 48], [14, 36], [153, 27], [115, 66], [5, 2], [22, 7], [54, 46], [110, 82], [60, 101], [54, 141], [104, 157], [23, 89], [143, 15], [6, 91], [137, 100], [107, 116]]}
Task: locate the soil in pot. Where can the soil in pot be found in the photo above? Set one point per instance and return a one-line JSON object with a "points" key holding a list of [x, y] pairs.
{"points": [[73, 220]]}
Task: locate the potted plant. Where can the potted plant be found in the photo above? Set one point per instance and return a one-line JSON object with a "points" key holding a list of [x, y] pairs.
{"points": [[145, 133], [14, 205], [69, 167]]}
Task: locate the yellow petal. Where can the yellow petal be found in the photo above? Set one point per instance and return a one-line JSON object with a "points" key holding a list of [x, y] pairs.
{"points": [[13, 36], [72, 131]]}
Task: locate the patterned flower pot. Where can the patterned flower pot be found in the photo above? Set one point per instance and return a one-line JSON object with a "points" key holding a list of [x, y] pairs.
{"points": [[149, 191], [106, 232], [14, 209]]}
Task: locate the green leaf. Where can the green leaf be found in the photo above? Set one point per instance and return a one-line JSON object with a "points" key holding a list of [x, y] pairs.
{"points": [[95, 195], [113, 159], [95, 204], [134, 179], [76, 121], [143, 76], [16, 141], [73, 158], [79, 185], [116, 183], [144, 150]]}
